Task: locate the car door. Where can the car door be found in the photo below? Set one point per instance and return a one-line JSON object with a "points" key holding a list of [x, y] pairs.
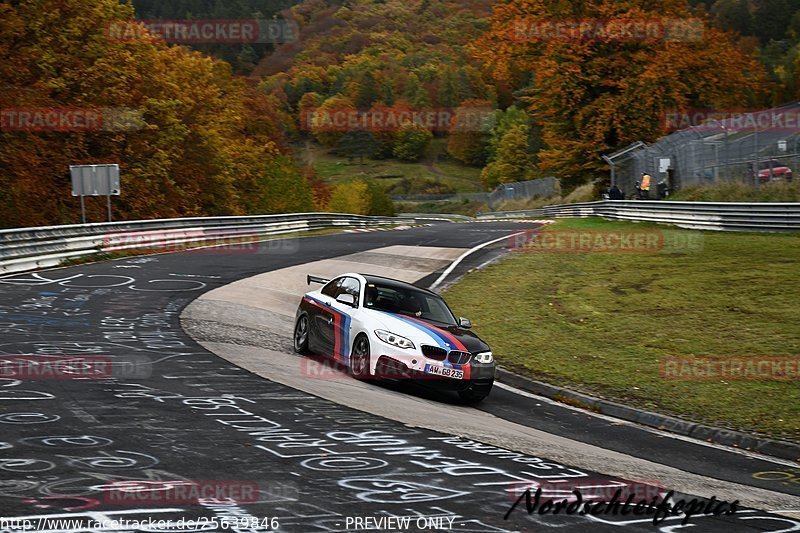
{"points": [[322, 319], [342, 324]]}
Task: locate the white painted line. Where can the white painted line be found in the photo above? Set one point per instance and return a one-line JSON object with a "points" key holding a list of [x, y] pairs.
{"points": [[752, 455], [466, 254]]}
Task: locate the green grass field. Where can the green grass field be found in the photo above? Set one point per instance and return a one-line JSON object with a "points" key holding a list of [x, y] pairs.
{"points": [[333, 168], [602, 322]]}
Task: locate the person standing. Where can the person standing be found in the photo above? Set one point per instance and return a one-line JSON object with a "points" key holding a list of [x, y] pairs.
{"points": [[644, 186]]}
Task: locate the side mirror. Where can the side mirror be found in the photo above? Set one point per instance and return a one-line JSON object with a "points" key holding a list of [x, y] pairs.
{"points": [[464, 323], [347, 299]]}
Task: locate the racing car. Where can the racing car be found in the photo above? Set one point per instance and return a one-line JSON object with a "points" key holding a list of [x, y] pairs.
{"points": [[384, 328]]}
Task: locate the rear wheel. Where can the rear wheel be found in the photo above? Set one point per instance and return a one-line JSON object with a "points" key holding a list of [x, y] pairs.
{"points": [[301, 335], [360, 359]]}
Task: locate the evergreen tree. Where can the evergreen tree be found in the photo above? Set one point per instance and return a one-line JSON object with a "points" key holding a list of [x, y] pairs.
{"points": [[416, 93], [733, 15], [449, 94], [411, 143], [387, 92], [356, 143], [367, 92], [771, 20]]}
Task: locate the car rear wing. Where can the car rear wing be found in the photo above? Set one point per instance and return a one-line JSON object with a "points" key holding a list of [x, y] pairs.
{"points": [[316, 279]]}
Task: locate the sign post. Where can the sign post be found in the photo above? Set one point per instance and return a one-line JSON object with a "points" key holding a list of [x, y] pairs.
{"points": [[95, 180]]}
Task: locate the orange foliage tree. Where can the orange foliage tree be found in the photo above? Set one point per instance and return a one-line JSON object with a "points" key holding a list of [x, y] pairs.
{"points": [[190, 138], [589, 96]]}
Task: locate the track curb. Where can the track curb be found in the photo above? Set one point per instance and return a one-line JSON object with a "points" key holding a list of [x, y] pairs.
{"points": [[726, 437]]}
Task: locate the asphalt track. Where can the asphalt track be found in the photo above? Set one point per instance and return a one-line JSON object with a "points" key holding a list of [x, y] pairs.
{"points": [[172, 412]]}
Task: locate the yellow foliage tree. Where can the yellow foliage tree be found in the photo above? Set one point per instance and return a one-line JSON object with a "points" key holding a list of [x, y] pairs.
{"points": [[351, 197]]}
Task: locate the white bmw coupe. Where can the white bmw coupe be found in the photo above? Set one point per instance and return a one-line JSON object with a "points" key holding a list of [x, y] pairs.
{"points": [[384, 328]]}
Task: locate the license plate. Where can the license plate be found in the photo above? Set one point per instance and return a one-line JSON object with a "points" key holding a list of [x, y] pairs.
{"points": [[444, 371]]}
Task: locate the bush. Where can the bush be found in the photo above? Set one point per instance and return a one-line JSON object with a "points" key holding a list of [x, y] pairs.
{"points": [[379, 203], [360, 197], [582, 193], [351, 197], [420, 185], [411, 143]]}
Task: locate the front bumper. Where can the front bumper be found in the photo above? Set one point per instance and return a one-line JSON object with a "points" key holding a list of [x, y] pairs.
{"points": [[392, 367]]}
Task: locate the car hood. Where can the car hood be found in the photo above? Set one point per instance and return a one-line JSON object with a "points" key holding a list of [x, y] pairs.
{"points": [[432, 333]]}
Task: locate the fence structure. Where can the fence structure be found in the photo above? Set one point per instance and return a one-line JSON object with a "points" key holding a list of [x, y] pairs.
{"points": [[718, 216], [30, 248], [522, 190], [753, 148]]}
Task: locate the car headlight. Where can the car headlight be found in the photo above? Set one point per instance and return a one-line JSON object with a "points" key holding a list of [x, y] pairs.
{"points": [[484, 357], [395, 340]]}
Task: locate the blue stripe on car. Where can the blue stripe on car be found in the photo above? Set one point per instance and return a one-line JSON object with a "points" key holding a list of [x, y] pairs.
{"points": [[430, 330]]}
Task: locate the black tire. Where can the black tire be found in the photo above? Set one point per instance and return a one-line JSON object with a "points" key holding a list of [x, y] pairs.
{"points": [[473, 395], [360, 358], [301, 335]]}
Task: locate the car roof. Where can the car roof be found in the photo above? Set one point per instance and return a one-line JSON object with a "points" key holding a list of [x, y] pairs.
{"points": [[394, 283]]}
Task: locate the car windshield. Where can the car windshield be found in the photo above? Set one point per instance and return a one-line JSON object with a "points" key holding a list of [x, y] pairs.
{"points": [[765, 165], [411, 302]]}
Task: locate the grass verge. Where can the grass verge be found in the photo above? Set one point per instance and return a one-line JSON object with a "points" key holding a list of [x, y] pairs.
{"points": [[603, 322]]}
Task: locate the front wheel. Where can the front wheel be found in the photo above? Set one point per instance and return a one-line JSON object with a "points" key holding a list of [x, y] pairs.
{"points": [[301, 335], [359, 359], [475, 394]]}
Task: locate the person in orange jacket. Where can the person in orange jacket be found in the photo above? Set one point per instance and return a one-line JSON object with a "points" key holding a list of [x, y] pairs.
{"points": [[644, 186]]}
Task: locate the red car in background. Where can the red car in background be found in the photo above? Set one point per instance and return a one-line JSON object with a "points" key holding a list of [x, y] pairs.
{"points": [[773, 170]]}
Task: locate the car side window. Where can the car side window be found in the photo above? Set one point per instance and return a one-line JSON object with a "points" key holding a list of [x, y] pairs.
{"points": [[332, 288], [350, 286]]}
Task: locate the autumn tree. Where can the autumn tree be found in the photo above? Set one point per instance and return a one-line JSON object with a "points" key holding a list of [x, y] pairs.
{"points": [[330, 119], [384, 139], [469, 135], [320, 191], [190, 137]]}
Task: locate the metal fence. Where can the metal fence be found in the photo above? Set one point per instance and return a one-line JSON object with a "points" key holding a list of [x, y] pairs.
{"points": [[522, 190], [726, 149]]}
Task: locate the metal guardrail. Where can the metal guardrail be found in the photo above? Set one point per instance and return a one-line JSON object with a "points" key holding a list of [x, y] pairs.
{"points": [[718, 216], [40, 247], [435, 216]]}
